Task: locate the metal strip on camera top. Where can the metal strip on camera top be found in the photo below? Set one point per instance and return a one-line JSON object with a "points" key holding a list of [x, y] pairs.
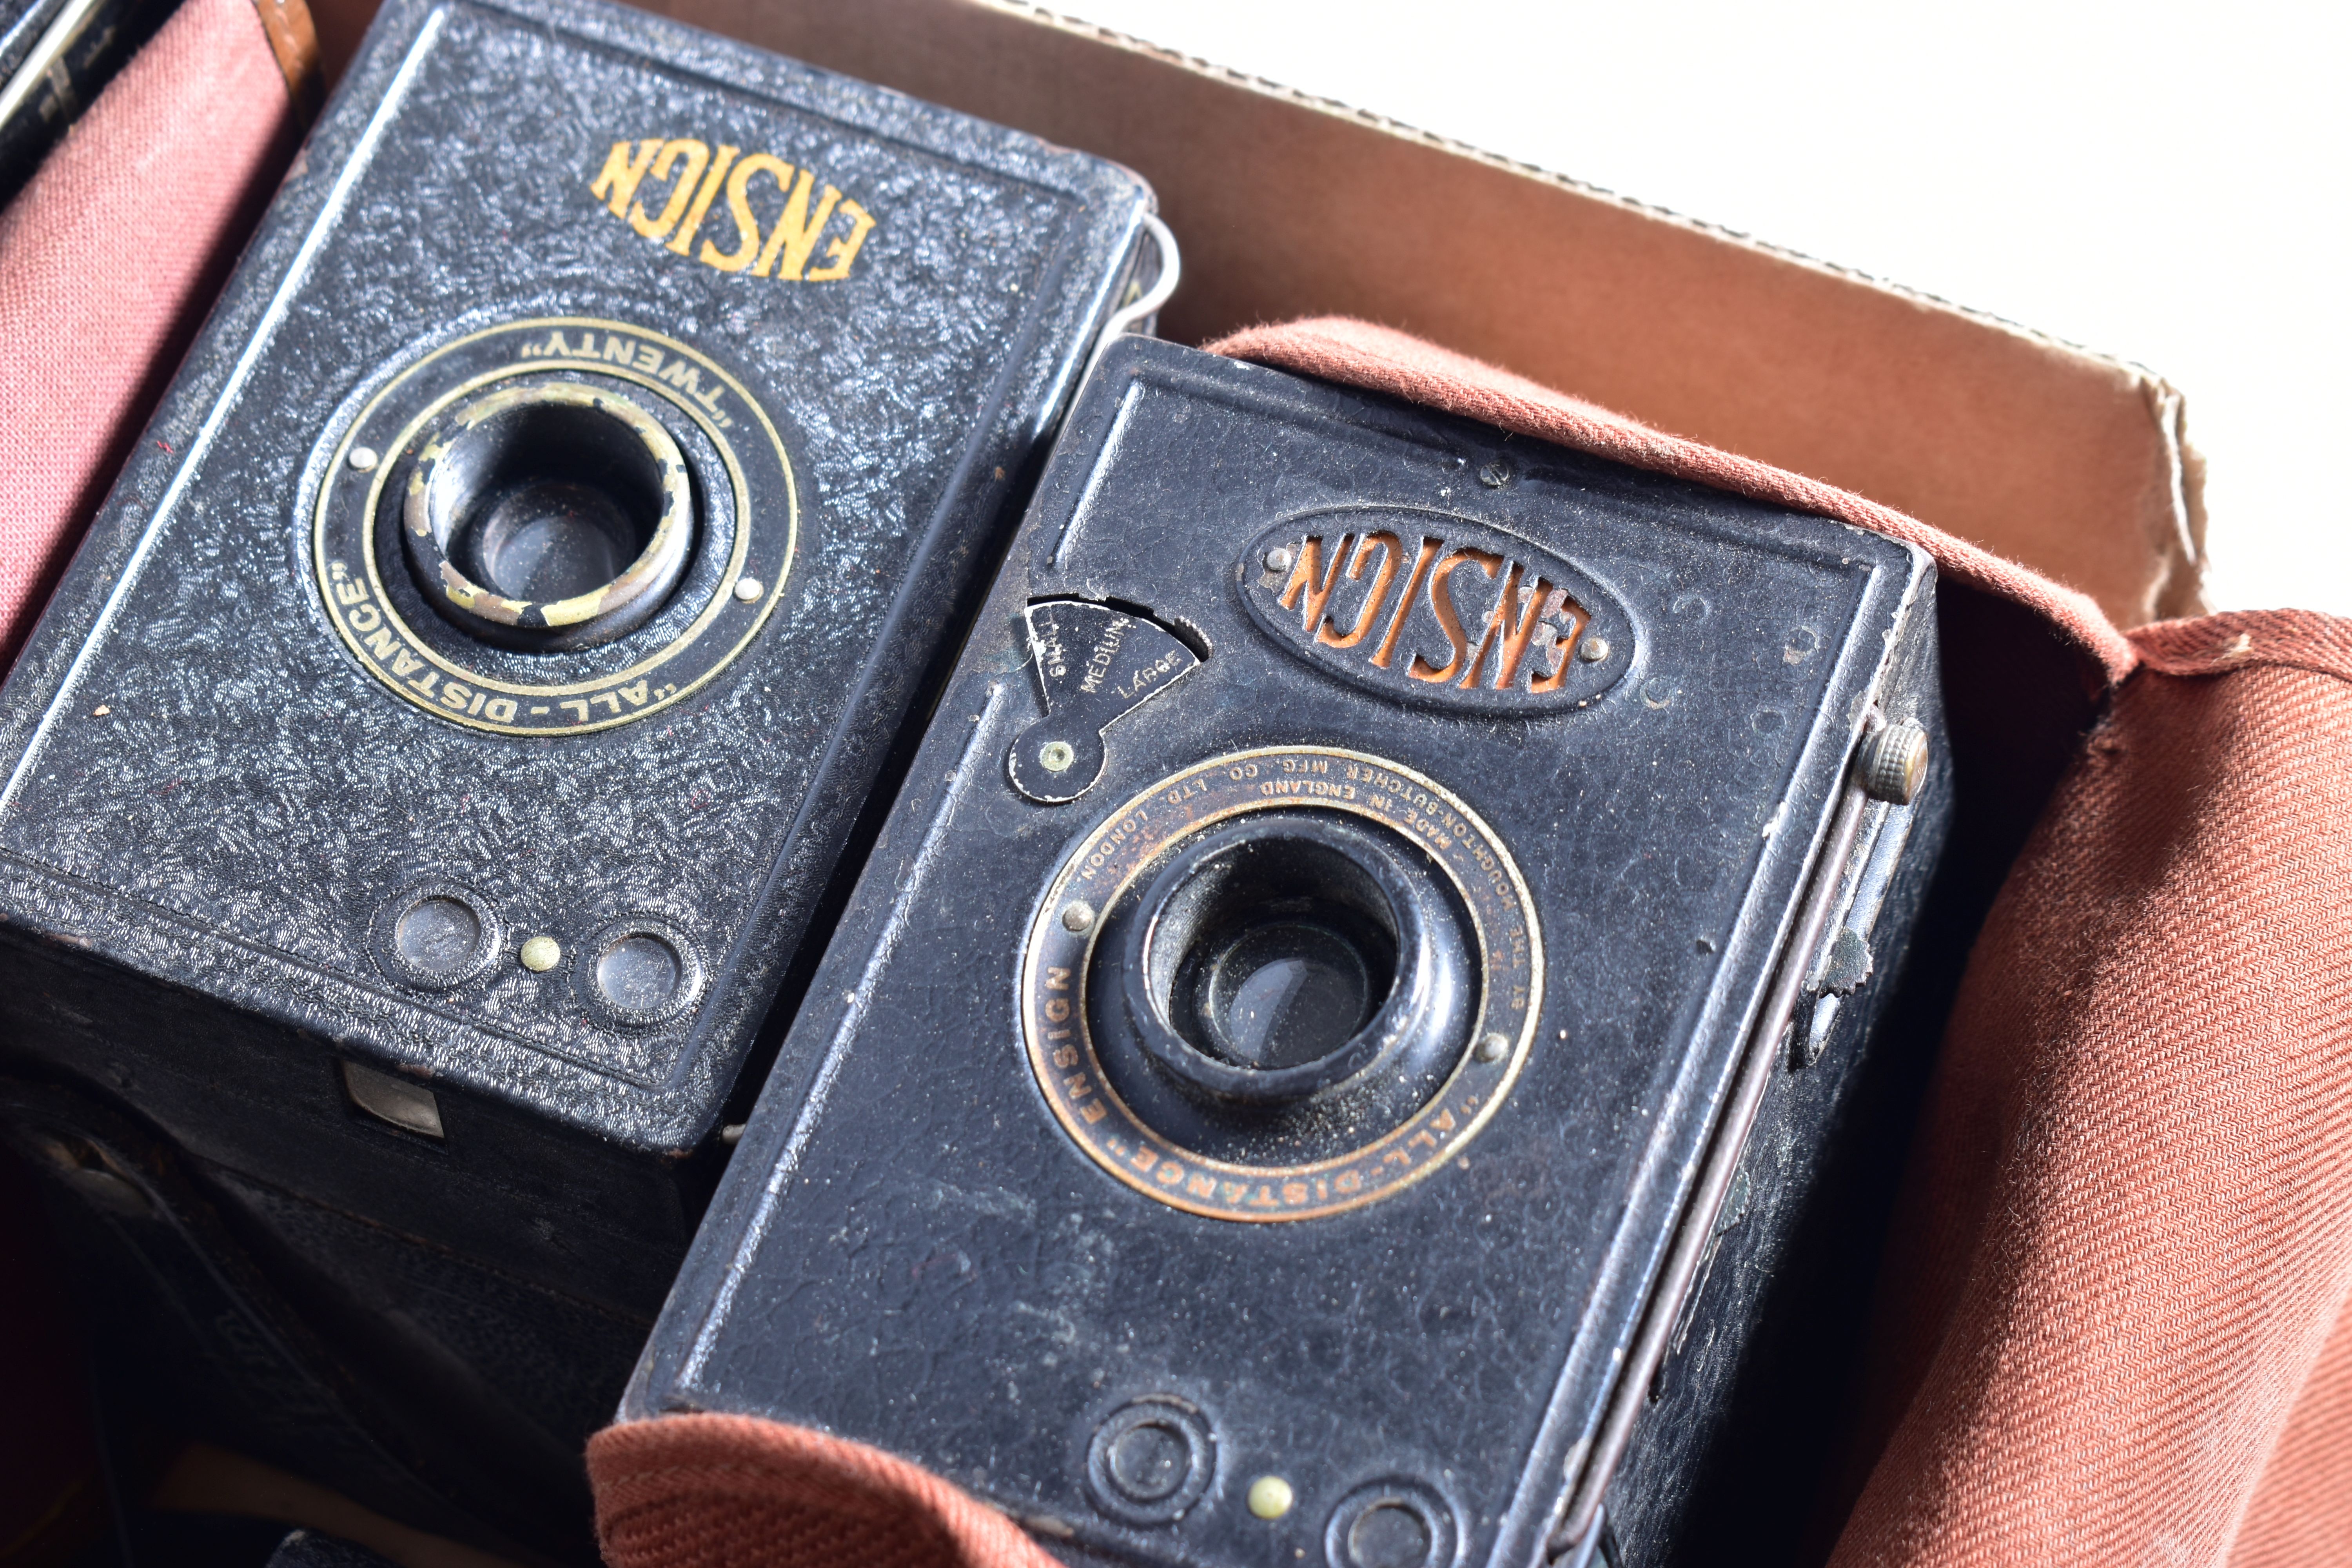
{"points": [[1147, 305], [44, 59]]}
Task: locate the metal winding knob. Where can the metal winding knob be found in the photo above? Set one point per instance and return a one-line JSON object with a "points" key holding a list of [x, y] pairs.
{"points": [[1892, 762]]}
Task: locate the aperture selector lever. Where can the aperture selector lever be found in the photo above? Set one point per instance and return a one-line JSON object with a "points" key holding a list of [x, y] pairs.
{"points": [[1095, 664]]}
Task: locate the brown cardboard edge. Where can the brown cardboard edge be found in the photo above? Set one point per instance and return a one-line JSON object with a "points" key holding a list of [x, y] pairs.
{"points": [[1289, 206], [2073, 463], [2179, 590]]}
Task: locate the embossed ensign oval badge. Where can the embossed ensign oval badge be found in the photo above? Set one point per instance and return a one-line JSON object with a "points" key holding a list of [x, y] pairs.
{"points": [[1426, 606]]}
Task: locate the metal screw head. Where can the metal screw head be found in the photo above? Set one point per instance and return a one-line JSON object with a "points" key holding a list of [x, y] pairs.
{"points": [[1078, 915], [1270, 1497], [541, 954], [749, 588], [1892, 762], [1278, 559], [363, 459], [1058, 756], [1495, 474], [1593, 649], [1492, 1047]]}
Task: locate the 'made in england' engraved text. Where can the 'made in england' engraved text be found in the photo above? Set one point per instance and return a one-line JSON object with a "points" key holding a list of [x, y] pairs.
{"points": [[1057, 961]]}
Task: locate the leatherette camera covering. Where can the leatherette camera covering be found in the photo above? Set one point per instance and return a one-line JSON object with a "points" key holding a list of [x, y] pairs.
{"points": [[426, 913], [1602, 721]]}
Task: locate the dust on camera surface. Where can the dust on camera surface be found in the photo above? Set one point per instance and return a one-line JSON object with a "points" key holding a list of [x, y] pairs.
{"points": [[427, 774], [1241, 1113]]}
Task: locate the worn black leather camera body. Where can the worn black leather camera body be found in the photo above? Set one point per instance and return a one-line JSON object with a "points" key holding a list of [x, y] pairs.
{"points": [[416, 795], [1287, 1086]]}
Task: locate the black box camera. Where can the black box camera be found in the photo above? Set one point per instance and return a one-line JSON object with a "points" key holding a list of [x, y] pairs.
{"points": [[420, 788], [1290, 1064]]}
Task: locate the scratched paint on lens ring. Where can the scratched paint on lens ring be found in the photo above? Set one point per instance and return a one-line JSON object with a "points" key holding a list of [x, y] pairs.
{"points": [[349, 516]]}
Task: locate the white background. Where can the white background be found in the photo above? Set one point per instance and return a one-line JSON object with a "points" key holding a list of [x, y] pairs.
{"points": [[2163, 184]]}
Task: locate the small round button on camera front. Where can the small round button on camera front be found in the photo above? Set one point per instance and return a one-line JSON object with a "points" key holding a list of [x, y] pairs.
{"points": [[1151, 1459], [1391, 1524]]}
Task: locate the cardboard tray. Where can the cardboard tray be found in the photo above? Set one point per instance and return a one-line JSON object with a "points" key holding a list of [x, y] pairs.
{"points": [[2063, 460]]}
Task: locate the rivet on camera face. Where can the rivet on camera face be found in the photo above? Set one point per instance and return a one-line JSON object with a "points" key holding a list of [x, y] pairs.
{"points": [[1151, 1460], [553, 515]]}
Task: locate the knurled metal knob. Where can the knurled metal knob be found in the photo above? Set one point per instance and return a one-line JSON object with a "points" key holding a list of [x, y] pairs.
{"points": [[1892, 762]]}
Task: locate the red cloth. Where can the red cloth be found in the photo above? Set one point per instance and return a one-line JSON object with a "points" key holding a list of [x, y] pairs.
{"points": [[726, 1491], [107, 261], [2112, 1327], [1362, 355]]}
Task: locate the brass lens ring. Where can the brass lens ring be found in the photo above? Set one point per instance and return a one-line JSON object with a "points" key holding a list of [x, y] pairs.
{"points": [[1060, 959], [527, 470], [708, 550]]}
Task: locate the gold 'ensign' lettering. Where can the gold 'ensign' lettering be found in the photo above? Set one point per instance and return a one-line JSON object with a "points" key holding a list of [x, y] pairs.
{"points": [[666, 188], [1528, 614]]}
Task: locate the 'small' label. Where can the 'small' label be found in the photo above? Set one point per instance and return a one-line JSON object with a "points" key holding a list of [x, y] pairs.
{"points": [[778, 220]]}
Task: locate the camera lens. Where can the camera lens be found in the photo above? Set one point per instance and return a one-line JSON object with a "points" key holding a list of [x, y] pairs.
{"points": [[1151, 1459], [639, 972], [553, 515], [1148, 1462], [439, 935], [553, 539], [1241, 998], [1388, 1535], [435, 935], [1264, 964], [1397, 1523], [1287, 990]]}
